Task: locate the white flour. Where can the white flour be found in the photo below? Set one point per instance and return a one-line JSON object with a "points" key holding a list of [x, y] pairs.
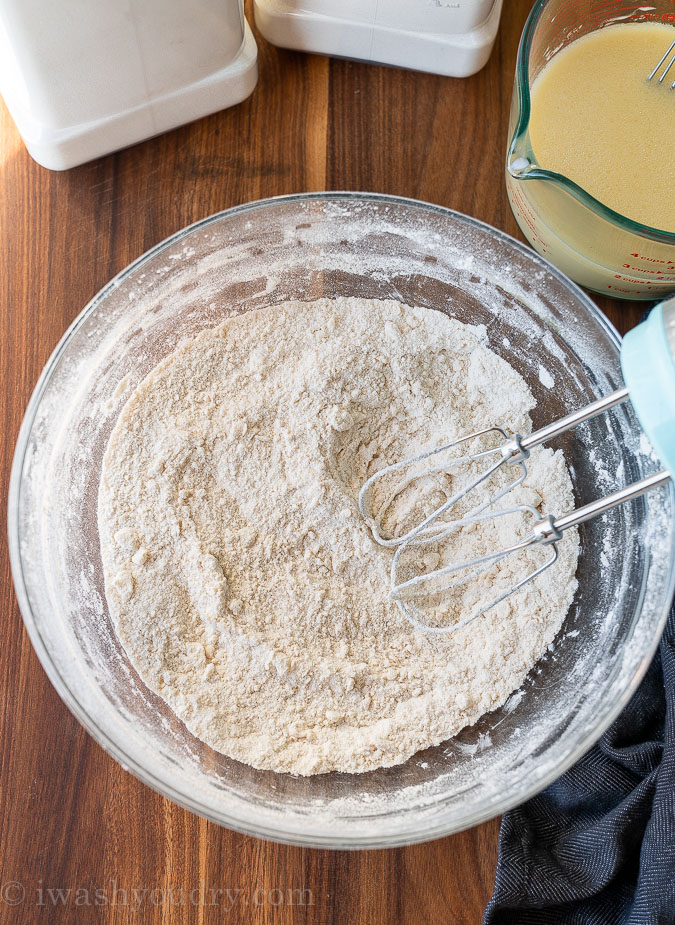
{"points": [[242, 581]]}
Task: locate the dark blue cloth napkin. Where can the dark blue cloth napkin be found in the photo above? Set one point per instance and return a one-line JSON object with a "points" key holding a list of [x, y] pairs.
{"points": [[597, 847]]}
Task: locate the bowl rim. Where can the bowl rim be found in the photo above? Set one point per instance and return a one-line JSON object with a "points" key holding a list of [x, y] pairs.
{"points": [[298, 833]]}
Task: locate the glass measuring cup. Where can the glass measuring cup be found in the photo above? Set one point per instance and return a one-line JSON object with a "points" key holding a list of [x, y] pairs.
{"points": [[594, 245]]}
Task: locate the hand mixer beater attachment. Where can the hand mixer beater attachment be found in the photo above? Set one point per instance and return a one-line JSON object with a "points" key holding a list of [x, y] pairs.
{"points": [[664, 66], [648, 365]]}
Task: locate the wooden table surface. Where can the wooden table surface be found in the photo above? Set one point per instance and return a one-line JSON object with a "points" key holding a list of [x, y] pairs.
{"points": [[71, 819]]}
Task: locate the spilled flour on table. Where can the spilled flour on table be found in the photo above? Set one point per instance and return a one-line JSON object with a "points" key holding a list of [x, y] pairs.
{"points": [[243, 583]]}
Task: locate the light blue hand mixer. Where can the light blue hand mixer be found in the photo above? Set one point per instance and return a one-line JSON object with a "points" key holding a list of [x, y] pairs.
{"points": [[648, 366]]}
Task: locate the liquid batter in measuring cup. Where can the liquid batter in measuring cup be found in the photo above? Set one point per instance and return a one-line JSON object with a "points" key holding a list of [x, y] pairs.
{"points": [[591, 155], [597, 120]]}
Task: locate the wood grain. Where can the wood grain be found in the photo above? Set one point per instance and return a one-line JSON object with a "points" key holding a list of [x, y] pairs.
{"points": [[71, 818]]}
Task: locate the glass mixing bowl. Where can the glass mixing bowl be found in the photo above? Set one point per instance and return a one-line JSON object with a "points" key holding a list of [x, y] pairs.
{"points": [[593, 244], [304, 247]]}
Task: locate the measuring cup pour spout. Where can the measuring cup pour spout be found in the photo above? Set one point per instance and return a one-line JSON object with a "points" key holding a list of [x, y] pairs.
{"points": [[594, 245]]}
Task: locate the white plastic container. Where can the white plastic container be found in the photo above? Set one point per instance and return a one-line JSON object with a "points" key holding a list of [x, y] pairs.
{"points": [[449, 37], [83, 78]]}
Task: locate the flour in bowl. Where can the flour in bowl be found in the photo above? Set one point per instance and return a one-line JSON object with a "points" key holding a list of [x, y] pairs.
{"points": [[242, 581]]}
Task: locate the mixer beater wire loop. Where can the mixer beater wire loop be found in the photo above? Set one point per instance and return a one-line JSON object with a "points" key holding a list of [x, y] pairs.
{"points": [[430, 529], [546, 530], [670, 51], [427, 584], [405, 593]]}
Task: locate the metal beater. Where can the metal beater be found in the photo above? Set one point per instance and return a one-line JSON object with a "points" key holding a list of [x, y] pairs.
{"points": [[667, 67], [648, 364]]}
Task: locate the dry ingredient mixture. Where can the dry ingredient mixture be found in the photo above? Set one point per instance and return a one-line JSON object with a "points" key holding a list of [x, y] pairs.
{"points": [[243, 583]]}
